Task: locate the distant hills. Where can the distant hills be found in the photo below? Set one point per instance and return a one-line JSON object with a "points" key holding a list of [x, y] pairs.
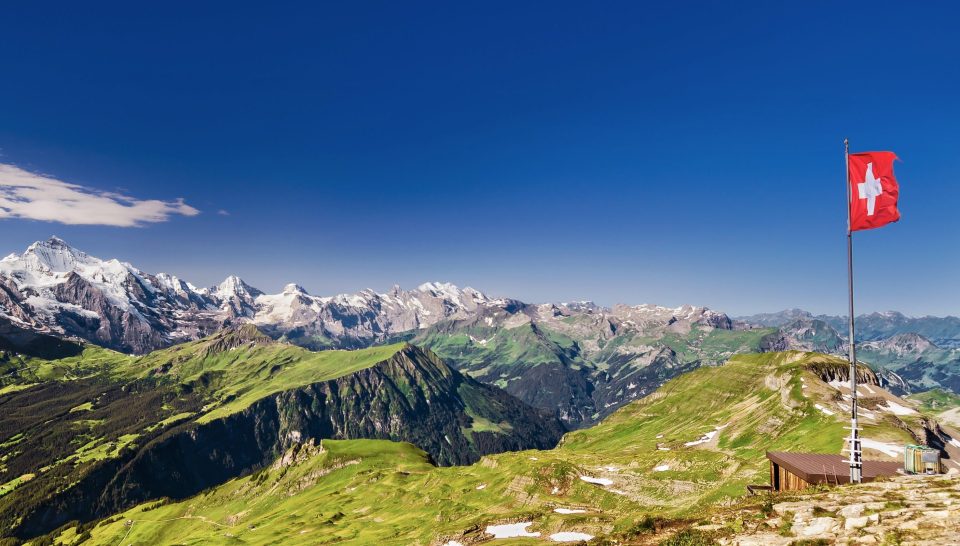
{"points": [[912, 354], [942, 331]]}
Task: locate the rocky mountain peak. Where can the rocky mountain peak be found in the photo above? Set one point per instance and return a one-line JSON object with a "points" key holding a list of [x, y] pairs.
{"points": [[682, 315], [293, 288], [584, 306], [234, 286], [776, 319], [245, 335], [908, 342], [53, 255]]}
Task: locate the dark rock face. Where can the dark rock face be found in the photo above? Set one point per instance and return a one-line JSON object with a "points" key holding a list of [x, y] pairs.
{"points": [[16, 339], [113, 326], [831, 371], [566, 391], [621, 383], [412, 397]]}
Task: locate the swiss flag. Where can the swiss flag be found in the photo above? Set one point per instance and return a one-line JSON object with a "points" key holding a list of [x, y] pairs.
{"points": [[873, 190]]}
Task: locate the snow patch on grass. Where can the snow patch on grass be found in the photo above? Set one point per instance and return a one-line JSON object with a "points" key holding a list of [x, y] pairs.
{"points": [[511, 530], [706, 437], [891, 450], [661, 468], [823, 409], [569, 511], [599, 481], [570, 536], [897, 409]]}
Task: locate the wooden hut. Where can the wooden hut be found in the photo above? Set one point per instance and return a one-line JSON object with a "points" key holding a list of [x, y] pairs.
{"points": [[793, 471], [921, 460]]}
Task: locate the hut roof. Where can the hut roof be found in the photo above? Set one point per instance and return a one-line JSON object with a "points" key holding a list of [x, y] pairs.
{"points": [[828, 468]]}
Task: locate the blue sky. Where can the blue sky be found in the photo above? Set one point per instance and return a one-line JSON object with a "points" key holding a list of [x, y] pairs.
{"points": [[620, 152]]}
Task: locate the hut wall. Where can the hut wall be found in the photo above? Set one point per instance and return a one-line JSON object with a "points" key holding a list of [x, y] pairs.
{"points": [[783, 480]]}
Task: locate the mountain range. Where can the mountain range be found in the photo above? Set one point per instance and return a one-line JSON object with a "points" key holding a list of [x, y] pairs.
{"points": [[942, 331], [578, 360], [54, 287]]}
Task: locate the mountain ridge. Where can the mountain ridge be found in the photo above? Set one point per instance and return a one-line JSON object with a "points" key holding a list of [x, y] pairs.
{"points": [[54, 287], [123, 430]]}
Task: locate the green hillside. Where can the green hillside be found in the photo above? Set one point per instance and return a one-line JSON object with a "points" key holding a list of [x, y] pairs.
{"points": [[696, 441], [98, 432], [231, 368]]}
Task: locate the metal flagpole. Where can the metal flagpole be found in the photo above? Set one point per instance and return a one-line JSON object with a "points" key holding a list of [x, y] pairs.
{"points": [[856, 455]]}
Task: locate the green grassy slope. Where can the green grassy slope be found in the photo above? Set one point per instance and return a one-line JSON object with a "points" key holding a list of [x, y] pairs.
{"points": [[232, 368], [651, 457], [107, 427], [61, 421], [936, 400]]}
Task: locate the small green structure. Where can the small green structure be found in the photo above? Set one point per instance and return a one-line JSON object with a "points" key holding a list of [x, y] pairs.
{"points": [[921, 460]]}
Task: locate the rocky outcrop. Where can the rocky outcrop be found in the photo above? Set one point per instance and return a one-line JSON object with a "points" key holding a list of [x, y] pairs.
{"points": [[829, 371], [903, 510], [15, 339], [812, 335]]}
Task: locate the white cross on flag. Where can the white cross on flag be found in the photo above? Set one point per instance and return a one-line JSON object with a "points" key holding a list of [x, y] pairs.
{"points": [[873, 190]]}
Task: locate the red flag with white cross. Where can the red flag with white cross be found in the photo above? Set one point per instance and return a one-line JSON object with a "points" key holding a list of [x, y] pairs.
{"points": [[873, 190]]}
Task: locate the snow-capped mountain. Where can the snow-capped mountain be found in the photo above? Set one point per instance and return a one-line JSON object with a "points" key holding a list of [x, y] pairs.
{"points": [[56, 288], [353, 320]]}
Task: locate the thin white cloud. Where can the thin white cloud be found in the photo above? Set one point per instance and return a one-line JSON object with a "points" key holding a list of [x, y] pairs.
{"points": [[37, 197]]}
